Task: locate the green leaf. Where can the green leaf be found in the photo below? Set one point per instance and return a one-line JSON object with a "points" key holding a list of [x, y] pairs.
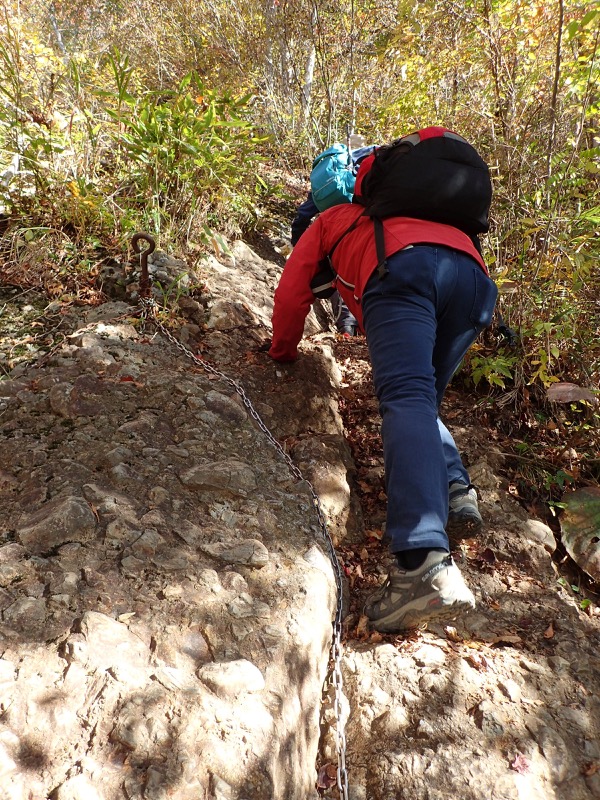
{"points": [[591, 15]]}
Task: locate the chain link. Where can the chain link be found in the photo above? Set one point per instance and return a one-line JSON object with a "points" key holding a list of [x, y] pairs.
{"points": [[148, 311]]}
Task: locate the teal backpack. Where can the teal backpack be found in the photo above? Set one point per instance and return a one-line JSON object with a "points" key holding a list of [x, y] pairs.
{"points": [[332, 178]]}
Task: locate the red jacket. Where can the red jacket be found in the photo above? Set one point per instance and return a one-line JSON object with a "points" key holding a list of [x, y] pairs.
{"points": [[354, 260]]}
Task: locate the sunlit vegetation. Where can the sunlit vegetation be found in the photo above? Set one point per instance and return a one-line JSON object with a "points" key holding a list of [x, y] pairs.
{"points": [[175, 117]]}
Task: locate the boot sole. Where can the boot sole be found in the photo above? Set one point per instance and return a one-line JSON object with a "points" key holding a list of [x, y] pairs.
{"points": [[464, 528], [415, 617]]}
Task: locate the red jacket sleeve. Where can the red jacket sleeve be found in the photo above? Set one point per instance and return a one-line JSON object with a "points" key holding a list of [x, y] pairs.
{"points": [[293, 296]]}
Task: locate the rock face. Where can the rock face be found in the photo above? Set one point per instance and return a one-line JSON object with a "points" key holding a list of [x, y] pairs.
{"points": [[162, 633], [580, 525], [166, 595]]}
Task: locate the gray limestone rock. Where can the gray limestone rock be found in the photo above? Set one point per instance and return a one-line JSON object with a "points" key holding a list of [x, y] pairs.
{"points": [[232, 677], [229, 408], [250, 552], [65, 519], [231, 475]]}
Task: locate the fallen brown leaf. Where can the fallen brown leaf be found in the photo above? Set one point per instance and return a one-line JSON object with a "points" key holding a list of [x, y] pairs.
{"points": [[569, 393], [362, 629], [129, 379], [549, 632], [478, 661], [488, 556], [327, 776], [452, 634]]}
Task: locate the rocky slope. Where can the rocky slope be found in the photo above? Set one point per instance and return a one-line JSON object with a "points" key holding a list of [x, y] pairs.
{"points": [[166, 594]]}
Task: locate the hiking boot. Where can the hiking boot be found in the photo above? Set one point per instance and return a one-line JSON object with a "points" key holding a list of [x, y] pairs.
{"points": [[434, 591], [464, 518]]}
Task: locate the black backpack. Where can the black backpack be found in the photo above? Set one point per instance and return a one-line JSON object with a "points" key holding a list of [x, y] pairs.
{"points": [[432, 174]]}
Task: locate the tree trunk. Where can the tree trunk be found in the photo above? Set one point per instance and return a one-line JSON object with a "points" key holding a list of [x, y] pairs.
{"points": [[309, 72]]}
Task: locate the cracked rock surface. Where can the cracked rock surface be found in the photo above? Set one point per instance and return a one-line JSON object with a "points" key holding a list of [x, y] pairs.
{"points": [[166, 595]]}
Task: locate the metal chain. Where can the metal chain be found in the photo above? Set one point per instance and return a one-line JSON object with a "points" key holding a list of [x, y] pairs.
{"points": [[148, 310]]}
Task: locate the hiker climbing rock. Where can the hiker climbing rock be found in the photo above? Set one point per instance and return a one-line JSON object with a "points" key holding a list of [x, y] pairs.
{"points": [[409, 267]]}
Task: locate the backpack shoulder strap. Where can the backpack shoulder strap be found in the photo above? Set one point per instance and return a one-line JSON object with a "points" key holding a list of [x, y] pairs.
{"points": [[382, 268], [348, 230], [379, 244]]}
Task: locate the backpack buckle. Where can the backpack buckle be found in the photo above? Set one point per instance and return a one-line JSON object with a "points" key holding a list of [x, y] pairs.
{"points": [[382, 269]]}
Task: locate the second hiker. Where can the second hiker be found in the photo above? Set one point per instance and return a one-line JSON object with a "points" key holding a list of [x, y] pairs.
{"points": [[345, 322]]}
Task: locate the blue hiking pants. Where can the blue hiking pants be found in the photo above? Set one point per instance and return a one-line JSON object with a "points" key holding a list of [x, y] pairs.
{"points": [[420, 319]]}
